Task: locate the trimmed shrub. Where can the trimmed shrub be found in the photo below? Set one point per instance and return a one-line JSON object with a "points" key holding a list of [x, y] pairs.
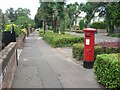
{"points": [[41, 32], [98, 50], [77, 50], [61, 40], [114, 35], [16, 29], [77, 31], [110, 47], [24, 31], [98, 25], [107, 70]]}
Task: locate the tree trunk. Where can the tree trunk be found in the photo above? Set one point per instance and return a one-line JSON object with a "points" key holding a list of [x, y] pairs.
{"points": [[111, 29], [44, 26]]}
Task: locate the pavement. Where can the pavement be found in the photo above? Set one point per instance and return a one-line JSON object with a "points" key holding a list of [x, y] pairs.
{"points": [[100, 37], [41, 66]]}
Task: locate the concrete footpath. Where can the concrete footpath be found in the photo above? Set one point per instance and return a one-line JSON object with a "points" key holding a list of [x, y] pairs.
{"points": [[41, 66]]}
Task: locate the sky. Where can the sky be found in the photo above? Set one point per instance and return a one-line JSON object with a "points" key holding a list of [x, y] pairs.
{"points": [[30, 4]]}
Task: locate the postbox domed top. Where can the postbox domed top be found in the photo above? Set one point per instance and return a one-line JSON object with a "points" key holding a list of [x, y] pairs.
{"points": [[89, 30]]}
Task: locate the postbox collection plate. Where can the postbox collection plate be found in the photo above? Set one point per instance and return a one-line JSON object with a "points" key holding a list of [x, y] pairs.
{"points": [[87, 42]]}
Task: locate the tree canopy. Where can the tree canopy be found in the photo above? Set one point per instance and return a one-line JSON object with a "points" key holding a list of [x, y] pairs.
{"points": [[20, 16]]}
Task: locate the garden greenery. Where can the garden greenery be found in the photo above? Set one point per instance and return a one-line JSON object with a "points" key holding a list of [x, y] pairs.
{"points": [[99, 25], [78, 50], [60, 40], [107, 70]]}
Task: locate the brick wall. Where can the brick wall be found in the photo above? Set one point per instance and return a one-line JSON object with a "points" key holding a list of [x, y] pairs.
{"points": [[8, 63], [20, 41]]}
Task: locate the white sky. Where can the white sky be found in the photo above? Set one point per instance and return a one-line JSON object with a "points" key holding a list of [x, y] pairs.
{"points": [[30, 4]]}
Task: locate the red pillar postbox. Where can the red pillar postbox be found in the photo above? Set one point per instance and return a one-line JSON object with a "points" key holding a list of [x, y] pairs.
{"points": [[88, 47]]}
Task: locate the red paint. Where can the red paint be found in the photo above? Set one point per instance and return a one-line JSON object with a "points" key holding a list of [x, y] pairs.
{"points": [[89, 44]]}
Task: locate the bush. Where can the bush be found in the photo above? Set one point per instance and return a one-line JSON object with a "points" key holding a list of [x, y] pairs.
{"points": [[81, 24], [77, 31], [78, 51], [110, 47], [107, 70], [24, 31], [61, 40], [16, 29], [98, 25], [98, 50], [114, 35], [41, 32]]}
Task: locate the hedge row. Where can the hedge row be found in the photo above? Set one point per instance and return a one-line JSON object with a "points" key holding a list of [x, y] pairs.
{"points": [[107, 70], [61, 40], [78, 50], [114, 35], [99, 25], [41, 32]]}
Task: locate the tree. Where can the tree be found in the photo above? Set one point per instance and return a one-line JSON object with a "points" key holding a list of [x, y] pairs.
{"points": [[90, 8], [11, 14], [22, 12], [24, 21], [45, 14], [74, 11], [4, 20], [14, 14], [51, 13], [113, 16], [20, 16], [110, 11], [82, 24]]}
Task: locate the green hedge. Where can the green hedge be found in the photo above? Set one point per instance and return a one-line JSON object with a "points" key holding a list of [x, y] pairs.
{"points": [[114, 35], [107, 70], [61, 40], [98, 25], [77, 31], [41, 32], [77, 50]]}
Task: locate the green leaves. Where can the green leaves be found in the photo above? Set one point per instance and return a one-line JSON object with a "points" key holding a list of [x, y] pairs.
{"points": [[77, 51], [24, 21], [90, 8], [99, 25], [107, 70], [112, 15], [61, 40]]}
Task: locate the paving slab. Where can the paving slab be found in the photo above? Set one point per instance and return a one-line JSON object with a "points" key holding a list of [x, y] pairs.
{"points": [[27, 77]]}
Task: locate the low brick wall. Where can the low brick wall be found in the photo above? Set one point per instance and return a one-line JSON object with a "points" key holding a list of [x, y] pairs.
{"points": [[8, 64], [20, 41]]}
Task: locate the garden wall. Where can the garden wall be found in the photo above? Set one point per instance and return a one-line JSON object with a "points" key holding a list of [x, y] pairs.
{"points": [[8, 64]]}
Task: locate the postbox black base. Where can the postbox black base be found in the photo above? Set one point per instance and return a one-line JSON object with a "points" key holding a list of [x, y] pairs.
{"points": [[88, 65]]}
